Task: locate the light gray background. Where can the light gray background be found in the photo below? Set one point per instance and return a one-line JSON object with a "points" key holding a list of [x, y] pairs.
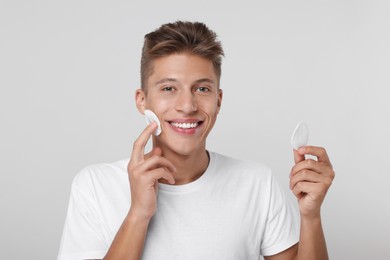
{"points": [[69, 70]]}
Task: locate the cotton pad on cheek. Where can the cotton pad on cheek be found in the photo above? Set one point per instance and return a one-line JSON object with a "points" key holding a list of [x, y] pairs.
{"points": [[151, 117], [300, 136]]}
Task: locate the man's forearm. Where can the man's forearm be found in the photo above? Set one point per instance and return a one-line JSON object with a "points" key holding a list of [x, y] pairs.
{"points": [[130, 239], [312, 245]]}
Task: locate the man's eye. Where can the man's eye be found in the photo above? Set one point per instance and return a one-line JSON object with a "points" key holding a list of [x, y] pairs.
{"points": [[167, 89], [203, 89]]}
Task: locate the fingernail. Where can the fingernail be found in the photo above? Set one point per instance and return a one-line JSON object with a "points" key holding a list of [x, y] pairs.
{"points": [[301, 150]]}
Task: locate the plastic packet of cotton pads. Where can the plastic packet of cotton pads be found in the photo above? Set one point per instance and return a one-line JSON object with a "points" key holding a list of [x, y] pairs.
{"points": [[151, 117], [300, 136]]}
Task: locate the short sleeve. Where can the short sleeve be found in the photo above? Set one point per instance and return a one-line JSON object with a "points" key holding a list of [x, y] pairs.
{"points": [[282, 225], [83, 237]]}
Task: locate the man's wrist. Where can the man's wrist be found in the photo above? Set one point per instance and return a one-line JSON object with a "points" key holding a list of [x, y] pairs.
{"points": [[137, 218], [312, 219]]}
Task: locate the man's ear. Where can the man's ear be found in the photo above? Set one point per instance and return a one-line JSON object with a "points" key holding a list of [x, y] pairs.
{"points": [[140, 100], [219, 101]]}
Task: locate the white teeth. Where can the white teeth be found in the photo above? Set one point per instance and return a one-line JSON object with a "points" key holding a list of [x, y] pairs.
{"points": [[185, 125]]}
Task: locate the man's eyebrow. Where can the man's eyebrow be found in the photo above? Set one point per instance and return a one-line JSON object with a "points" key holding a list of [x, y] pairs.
{"points": [[165, 80], [205, 80]]}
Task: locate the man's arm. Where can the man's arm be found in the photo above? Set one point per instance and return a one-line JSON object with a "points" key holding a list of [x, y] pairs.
{"points": [[309, 181], [130, 238], [143, 176]]}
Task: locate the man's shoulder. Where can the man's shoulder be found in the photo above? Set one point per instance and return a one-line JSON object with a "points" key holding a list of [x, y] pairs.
{"points": [[101, 173]]}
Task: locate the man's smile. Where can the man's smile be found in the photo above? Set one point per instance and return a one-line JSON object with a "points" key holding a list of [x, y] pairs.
{"points": [[185, 126]]}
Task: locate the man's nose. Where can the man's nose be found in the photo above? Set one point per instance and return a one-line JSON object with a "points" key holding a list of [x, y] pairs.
{"points": [[186, 102]]}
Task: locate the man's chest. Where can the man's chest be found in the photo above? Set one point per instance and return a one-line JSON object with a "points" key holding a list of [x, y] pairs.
{"points": [[203, 229]]}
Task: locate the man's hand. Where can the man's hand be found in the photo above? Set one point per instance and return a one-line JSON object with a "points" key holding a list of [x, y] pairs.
{"points": [[310, 179], [144, 174]]}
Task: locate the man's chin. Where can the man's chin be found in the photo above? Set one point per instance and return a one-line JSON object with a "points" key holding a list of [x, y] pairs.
{"points": [[182, 151], [180, 147]]}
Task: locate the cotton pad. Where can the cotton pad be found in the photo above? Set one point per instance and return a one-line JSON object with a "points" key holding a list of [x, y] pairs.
{"points": [[151, 117], [300, 136]]}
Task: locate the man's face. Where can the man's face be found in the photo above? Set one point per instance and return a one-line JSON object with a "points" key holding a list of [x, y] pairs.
{"points": [[183, 92]]}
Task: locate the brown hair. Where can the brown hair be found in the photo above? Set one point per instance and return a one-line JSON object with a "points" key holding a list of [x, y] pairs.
{"points": [[192, 37]]}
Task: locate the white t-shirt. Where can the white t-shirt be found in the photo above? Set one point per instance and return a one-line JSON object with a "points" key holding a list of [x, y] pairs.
{"points": [[235, 210]]}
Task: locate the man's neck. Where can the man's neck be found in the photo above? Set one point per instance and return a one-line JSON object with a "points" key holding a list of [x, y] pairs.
{"points": [[189, 167]]}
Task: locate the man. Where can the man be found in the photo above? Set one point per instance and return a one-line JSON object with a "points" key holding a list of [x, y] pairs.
{"points": [[180, 201]]}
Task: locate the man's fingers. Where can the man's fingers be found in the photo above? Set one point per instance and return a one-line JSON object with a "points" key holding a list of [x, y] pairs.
{"points": [[154, 162], [314, 190], [298, 157], [310, 164], [308, 176], [139, 145], [150, 178], [161, 173], [319, 152]]}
